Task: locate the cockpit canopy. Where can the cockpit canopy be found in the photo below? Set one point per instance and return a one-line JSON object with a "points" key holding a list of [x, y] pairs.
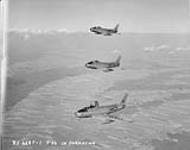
{"points": [[85, 109], [96, 27], [92, 62]]}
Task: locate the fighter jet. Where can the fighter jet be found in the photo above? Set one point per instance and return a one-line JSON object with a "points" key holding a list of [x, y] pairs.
{"points": [[104, 31], [106, 110], [105, 66]]}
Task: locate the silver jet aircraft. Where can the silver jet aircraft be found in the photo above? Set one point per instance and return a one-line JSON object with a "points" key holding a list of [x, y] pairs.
{"points": [[104, 31], [105, 66], [107, 110]]}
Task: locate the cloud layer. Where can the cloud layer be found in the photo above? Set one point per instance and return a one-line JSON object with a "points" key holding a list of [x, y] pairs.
{"points": [[167, 48]]}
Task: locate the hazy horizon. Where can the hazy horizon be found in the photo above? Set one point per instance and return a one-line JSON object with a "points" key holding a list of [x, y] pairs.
{"points": [[41, 31]]}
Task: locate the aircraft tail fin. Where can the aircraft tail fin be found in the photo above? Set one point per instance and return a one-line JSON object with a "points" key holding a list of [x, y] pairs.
{"points": [[118, 59], [123, 101], [116, 27]]}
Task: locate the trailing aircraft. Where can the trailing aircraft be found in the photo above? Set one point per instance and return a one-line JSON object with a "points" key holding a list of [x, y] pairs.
{"points": [[108, 111]]}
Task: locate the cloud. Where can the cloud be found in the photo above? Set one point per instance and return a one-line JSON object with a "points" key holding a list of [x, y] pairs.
{"points": [[116, 51], [167, 48], [171, 52], [179, 49], [163, 47], [149, 49], [182, 49], [37, 31], [156, 48]]}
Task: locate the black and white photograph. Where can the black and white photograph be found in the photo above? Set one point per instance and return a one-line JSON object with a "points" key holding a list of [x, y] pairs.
{"points": [[95, 74]]}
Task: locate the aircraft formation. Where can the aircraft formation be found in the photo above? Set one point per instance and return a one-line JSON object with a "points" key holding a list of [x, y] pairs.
{"points": [[95, 109]]}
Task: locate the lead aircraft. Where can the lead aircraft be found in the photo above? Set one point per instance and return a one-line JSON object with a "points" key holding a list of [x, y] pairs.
{"points": [[105, 31]]}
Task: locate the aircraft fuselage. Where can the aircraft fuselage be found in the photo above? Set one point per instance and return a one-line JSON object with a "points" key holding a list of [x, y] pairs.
{"points": [[101, 65], [102, 110], [104, 31]]}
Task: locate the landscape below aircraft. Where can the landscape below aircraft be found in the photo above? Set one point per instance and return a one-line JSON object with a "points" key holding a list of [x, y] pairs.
{"points": [[104, 31], [106, 110], [105, 66]]}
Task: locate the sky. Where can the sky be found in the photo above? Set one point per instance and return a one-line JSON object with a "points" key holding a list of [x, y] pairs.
{"points": [[79, 15]]}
